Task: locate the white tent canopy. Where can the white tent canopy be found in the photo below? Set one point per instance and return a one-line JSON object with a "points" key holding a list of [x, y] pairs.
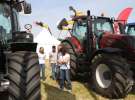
{"points": [[46, 40]]}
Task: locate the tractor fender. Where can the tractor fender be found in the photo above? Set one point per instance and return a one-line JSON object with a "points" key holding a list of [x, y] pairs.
{"points": [[22, 46], [75, 43], [22, 36], [108, 50], [69, 42]]}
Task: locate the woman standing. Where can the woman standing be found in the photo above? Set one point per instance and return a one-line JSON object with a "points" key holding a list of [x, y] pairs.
{"points": [[42, 56], [64, 62]]}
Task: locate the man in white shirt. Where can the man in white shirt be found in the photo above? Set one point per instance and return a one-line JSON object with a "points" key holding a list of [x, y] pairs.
{"points": [[53, 61]]}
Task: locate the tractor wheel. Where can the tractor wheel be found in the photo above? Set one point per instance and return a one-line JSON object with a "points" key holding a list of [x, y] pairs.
{"points": [[111, 76], [73, 61], [24, 76]]}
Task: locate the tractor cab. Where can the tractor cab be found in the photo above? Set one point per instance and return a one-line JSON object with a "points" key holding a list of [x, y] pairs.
{"points": [[98, 26], [102, 25], [9, 21]]}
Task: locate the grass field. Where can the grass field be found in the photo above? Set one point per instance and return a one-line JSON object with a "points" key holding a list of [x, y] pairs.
{"points": [[50, 90]]}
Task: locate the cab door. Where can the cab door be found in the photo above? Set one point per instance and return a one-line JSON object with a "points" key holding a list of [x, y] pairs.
{"points": [[79, 32]]}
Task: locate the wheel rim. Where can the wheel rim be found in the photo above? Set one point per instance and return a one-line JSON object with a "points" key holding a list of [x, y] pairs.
{"points": [[103, 76]]}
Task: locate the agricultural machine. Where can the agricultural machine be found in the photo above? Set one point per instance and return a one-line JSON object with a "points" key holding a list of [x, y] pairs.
{"points": [[105, 58], [19, 68]]}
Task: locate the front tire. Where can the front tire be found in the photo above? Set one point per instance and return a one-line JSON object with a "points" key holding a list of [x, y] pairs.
{"points": [[111, 76], [24, 76]]}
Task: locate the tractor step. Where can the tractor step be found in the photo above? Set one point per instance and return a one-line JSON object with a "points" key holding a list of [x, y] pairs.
{"points": [[83, 65], [4, 84], [83, 77]]}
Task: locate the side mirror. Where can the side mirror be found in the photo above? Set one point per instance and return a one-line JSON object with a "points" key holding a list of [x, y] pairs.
{"points": [[28, 28], [27, 8], [18, 7], [62, 23], [71, 8]]}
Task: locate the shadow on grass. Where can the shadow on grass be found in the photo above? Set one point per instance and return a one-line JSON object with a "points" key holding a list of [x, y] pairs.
{"points": [[90, 91], [3, 95], [133, 90], [54, 93]]}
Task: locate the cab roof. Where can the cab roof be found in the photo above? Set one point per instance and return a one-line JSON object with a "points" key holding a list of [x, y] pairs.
{"points": [[10, 1], [131, 24], [92, 17]]}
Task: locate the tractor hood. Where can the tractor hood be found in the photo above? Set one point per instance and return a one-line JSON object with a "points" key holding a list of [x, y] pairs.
{"points": [[124, 42]]}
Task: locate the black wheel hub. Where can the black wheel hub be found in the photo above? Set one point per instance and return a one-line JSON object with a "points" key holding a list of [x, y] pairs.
{"points": [[107, 75]]}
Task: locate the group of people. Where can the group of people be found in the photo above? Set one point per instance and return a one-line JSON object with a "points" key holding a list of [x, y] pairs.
{"points": [[59, 60]]}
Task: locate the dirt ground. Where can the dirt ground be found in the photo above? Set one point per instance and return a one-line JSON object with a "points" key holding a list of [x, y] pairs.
{"points": [[80, 91]]}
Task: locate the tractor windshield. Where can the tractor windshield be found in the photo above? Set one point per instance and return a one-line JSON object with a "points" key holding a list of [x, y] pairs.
{"points": [[80, 29], [5, 21], [102, 25]]}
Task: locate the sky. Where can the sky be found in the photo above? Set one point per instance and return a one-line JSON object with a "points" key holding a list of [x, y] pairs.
{"points": [[52, 11]]}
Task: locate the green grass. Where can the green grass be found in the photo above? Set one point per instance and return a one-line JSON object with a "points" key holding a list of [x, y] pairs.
{"points": [[50, 90]]}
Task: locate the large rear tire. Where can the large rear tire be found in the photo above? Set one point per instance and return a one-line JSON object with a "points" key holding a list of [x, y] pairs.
{"points": [[24, 76], [73, 60], [111, 76]]}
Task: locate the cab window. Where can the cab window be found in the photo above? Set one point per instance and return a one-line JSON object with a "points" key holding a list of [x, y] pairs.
{"points": [[101, 26], [80, 29], [131, 30]]}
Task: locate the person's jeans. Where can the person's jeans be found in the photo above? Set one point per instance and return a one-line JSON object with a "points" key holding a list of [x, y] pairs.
{"points": [[65, 75], [42, 71], [57, 72], [53, 65]]}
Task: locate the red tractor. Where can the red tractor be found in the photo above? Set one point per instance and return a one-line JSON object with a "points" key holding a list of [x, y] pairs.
{"points": [[97, 53]]}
